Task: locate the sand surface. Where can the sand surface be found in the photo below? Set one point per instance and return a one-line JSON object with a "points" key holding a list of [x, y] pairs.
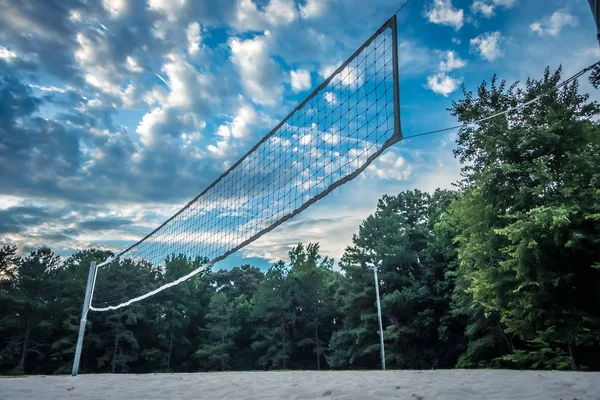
{"points": [[409, 385]]}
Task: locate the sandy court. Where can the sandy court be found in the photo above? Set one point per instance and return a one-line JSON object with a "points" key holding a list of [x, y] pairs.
{"points": [[409, 385]]}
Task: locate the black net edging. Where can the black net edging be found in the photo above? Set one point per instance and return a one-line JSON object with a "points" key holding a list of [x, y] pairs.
{"points": [[328, 140]]}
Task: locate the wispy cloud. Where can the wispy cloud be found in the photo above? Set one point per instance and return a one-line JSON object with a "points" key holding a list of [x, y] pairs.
{"points": [[300, 80], [487, 8], [444, 13], [441, 82], [553, 24], [116, 112], [261, 75], [487, 45], [482, 7]]}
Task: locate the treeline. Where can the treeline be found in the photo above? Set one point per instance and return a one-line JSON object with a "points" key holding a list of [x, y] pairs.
{"points": [[503, 272]]}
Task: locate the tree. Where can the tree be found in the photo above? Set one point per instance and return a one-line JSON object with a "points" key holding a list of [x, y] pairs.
{"points": [[180, 305], [273, 317], [219, 331], [113, 334], [36, 292], [10, 318], [415, 287], [71, 280], [354, 342], [239, 281], [240, 284], [311, 280], [528, 218]]}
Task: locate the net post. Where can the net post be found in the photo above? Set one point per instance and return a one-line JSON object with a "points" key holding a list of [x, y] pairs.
{"points": [[84, 311], [381, 342], [397, 128]]}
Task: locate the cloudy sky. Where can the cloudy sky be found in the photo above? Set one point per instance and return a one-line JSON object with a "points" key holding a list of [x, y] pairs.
{"points": [[114, 113]]}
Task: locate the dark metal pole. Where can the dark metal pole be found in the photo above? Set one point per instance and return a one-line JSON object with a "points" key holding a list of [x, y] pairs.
{"points": [[397, 128], [86, 307]]}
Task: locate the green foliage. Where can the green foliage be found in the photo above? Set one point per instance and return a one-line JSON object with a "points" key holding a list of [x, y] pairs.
{"points": [[539, 355], [415, 284], [273, 317], [219, 331], [503, 273], [526, 223]]}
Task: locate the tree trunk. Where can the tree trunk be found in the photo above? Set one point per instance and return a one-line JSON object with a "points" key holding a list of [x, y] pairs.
{"points": [[115, 351], [572, 357], [26, 341], [223, 349], [170, 347], [283, 342], [509, 343], [318, 348]]}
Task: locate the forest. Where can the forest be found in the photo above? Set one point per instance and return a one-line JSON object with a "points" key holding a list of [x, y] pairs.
{"points": [[502, 272]]}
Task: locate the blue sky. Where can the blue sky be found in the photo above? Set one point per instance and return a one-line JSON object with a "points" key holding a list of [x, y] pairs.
{"points": [[114, 113]]}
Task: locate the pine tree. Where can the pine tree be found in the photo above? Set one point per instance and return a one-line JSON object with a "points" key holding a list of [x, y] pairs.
{"points": [[219, 331], [71, 280], [273, 317], [10, 316], [311, 279]]}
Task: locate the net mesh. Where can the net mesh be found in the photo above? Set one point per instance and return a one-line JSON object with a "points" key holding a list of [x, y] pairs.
{"points": [[327, 140]]}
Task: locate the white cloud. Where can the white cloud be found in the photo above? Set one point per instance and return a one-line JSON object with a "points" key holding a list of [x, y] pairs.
{"points": [[553, 24], [247, 15], [172, 9], [348, 76], [132, 65], [456, 40], [487, 7], [188, 86], [329, 97], [331, 227], [127, 94], [52, 88], [75, 16], [182, 109], [505, 3], [115, 7], [103, 69], [260, 74], [390, 166], [331, 137], [275, 13], [443, 84], [194, 38], [6, 54], [94, 103], [305, 139], [482, 7], [300, 80], [450, 61], [487, 45], [444, 13], [281, 12], [231, 133], [413, 58], [313, 8], [333, 221]]}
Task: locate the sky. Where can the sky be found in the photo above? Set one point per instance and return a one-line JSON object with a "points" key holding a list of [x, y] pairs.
{"points": [[115, 113]]}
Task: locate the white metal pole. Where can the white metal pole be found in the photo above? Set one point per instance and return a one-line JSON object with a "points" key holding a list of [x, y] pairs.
{"points": [[379, 317], [86, 307]]}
